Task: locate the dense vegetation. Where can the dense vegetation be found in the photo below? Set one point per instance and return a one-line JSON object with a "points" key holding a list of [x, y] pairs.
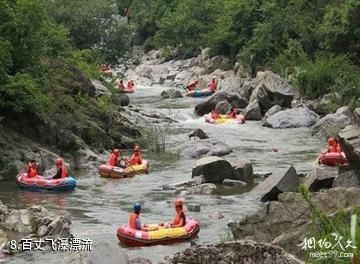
{"points": [[315, 44]]}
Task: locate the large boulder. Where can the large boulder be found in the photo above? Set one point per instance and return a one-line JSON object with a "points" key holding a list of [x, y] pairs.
{"points": [[100, 88], [121, 99], [198, 133], [240, 251], [243, 171], [273, 110], [214, 169], [292, 118], [270, 89], [171, 93], [232, 98], [349, 176], [37, 220], [321, 177], [286, 222], [349, 139], [330, 125], [252, 111], [222, 107], [230, 84], [272, 186], [206, 147]]}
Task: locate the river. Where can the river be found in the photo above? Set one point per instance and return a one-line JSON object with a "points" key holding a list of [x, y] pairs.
{"points": [[98, 205]]}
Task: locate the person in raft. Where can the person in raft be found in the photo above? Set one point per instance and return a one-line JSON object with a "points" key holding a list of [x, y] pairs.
{"points": [[130, 85], [192, 86], [121, 85], [333, 146], [134, 220], [233, 113], [179, 219], [136, 156], [62, 171], [214, 115], [31, 169], [213, 85]]}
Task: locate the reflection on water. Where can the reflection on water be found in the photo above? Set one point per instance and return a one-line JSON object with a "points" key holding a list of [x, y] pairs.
{"points": [[98, 205]]}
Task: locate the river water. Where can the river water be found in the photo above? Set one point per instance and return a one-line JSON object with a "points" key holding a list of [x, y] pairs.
{"points": [[98, 205]]}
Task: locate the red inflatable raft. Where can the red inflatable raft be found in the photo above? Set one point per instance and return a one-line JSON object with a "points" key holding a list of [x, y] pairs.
{"points": [[333, 158], [162, 236]]}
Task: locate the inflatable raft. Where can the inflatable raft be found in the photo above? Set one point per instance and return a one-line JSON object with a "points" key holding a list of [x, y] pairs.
{"points": [[199, 93], [162, 236], [42, 183], [109, 171], [240, 119], [126, 90], [332, 158]]}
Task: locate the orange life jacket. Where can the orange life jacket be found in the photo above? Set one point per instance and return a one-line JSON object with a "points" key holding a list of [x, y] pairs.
{"points": [[191, 86], [135, 159], [113, 159], [178, 216], [213, 86], [31, 172], [132, 220], [333, 148], [64, 172]]}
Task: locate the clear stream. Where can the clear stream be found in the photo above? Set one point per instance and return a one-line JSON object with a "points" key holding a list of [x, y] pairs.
{"points": [[98, 205]]}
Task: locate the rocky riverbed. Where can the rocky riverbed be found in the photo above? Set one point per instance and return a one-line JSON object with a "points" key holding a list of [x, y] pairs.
{"points": [[214, 172]]}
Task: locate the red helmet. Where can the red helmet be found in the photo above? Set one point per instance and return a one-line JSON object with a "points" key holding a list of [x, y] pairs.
{"points": [[178, 202], [116, 151], [331, 141], [59, 161]]}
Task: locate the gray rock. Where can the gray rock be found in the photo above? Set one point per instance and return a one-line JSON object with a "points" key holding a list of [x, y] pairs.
{"points": [[206, 147], [19, 221], [240, 251], [230, 84], [252, 111], [103, 252], [357, 117], [193, 182], [349, 139], [100, 88], [216, 215], [202, 189], [321, 177], [229, 182], [140, 260], [348, 177], [243, 171], [3, 239], [331, 124], [199, 133], [292, 118], [232, 98], [222, 107], [270, 89], [271, 187], [194, 207], [287, 221], [124, 100], [59, 227], [171, 93], [214, 169], [273, 110], [42, 231]]}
